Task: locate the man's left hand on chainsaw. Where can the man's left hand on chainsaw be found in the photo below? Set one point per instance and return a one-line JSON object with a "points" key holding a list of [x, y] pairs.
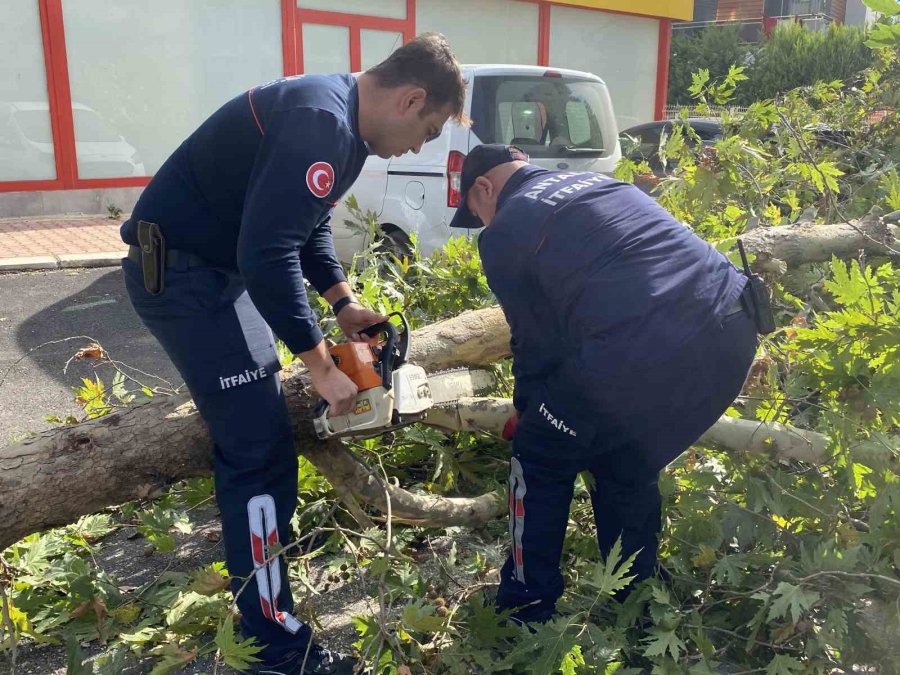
{"points": [[332, 384], [353, 318]]}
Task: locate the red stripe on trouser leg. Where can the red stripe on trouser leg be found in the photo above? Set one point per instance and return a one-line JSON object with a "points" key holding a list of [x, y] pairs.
{"points": [[256, 543], [264, 527], [517, 492]]}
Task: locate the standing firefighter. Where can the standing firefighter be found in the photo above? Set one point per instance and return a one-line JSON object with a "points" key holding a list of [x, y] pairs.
{"points": [[221, 242], [630, 337]]}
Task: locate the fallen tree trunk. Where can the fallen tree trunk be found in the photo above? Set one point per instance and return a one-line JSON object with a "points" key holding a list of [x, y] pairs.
{"points": [[806, 243], [60, 475], [57, 476], [728, 434]]}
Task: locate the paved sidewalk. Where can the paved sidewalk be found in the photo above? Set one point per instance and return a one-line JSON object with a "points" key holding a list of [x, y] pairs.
{"points": [[60, 241]]}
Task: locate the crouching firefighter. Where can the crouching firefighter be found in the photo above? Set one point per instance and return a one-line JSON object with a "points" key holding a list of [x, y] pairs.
{"points": [[630, 337], [221, 242]]}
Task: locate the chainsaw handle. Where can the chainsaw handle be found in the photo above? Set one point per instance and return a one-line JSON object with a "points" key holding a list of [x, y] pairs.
{"points": [[321, 408], [386, 356]]}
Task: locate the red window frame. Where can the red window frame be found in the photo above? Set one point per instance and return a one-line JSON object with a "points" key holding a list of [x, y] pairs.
{"points": [[355, 22], [292, 18], [61, 121]]}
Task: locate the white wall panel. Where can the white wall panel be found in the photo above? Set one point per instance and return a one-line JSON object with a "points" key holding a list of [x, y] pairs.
{"points": [[620, 49]]}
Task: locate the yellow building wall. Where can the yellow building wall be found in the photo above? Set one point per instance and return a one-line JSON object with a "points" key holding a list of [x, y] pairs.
{"points": [[682, 10]]}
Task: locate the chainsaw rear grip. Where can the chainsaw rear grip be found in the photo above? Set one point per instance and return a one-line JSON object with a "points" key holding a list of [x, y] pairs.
{"points": [[386, 357]]}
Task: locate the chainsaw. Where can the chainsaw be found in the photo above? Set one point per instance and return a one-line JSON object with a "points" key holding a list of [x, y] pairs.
{"points": [[392, 393]]}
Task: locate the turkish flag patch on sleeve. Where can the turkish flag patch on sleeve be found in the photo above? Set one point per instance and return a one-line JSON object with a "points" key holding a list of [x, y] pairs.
{"points": [[320, 179]]}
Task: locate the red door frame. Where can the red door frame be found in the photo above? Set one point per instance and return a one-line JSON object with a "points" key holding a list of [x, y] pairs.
{"points": [[292, 20]]}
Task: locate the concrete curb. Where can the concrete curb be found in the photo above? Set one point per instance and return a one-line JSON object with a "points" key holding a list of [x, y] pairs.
{"points": [[63, 261]]}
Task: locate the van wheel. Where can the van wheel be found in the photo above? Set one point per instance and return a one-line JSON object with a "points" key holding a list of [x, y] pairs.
{"points": [[395, 241]]}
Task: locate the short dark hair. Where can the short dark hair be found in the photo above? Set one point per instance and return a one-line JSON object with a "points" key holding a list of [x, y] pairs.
{"points": [[428, 62]]}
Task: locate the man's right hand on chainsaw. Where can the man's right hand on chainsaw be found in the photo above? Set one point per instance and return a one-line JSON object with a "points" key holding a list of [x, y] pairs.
{"points": [[332, 384]]}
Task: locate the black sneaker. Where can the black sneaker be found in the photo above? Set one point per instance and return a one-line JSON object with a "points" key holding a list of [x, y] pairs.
{"points": [[319, 661]]}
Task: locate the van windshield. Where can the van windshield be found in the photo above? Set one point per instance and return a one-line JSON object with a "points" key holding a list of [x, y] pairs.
{"points": [[545, 116]]}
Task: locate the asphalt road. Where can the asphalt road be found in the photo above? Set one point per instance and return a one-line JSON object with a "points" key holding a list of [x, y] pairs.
{"points": [[38, 312]]}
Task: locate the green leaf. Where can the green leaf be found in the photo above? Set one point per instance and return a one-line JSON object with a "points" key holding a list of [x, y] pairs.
{"points": [[237, 654], [571, 661], [92, 528], [209, 580], [609, 577], [486, 626], [173, 660], [884, 36], [75, 658], [661, 641], [886, 7], [553, 641], [784, 665], [793, 600], [112, 663], [830, 173], [418, 616], [193, 608]]}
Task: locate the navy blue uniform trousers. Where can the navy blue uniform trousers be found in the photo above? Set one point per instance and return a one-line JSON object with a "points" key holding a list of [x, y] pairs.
{"points": [[641, 423], [225, 351]]}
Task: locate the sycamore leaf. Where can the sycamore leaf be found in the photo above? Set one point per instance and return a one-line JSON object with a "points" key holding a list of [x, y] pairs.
{"points": [[884, 35], [571, 660], [193, 609], [791, 599], [173, 660], [209, 580], [112, 663], [127, 613], [486, 626], [421, 618], [830, 172], [75, 658], [610, 577], [553, 641], [886, 7], [237, 654], [147, 631], [92, 528], [661, 641], [784, 665]]}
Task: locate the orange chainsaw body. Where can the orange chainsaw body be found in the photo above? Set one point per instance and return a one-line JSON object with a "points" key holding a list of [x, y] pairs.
{"points": [[357, 360]]}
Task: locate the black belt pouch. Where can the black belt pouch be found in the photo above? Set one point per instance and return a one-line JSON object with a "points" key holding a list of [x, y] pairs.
{"points": [[153, 256]]}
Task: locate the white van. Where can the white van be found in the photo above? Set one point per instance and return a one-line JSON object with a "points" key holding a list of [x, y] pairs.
{"points": [[562, 118]]}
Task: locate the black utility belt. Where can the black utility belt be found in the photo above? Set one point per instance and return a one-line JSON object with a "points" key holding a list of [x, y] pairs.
{"points": [[153, 257]]}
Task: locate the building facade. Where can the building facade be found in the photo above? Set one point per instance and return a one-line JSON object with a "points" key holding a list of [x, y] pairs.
{"points": [[94, 95], [758, 17]]}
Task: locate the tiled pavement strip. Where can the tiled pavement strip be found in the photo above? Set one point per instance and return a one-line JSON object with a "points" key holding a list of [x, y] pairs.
{"points": [[59, 241]]}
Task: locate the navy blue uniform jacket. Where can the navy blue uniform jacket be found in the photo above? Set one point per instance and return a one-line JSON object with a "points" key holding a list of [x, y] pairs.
{"points": [[253, 189], [597, 282]]}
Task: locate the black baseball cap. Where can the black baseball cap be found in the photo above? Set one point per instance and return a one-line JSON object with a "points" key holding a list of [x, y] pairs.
{"points": [[480, 160]]}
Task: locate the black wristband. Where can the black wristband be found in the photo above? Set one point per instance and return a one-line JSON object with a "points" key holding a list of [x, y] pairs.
{"points": [[343, 302]]}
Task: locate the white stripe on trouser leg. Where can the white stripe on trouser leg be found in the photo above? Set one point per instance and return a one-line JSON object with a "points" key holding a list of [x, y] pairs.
{"points": [[263, 536], [517, 516]]}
